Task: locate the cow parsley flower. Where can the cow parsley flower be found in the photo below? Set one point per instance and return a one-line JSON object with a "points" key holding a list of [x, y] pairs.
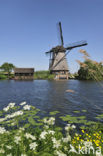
{"points": [[27, 107], [33, 145]]}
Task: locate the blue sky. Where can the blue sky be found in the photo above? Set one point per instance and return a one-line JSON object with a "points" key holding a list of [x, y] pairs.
{"points": [[28, 29]]}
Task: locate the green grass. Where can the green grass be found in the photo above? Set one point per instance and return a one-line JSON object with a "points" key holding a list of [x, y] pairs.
{"points": [[43, 75], [3, 77]]}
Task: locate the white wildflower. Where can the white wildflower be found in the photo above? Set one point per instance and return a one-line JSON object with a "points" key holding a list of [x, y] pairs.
{"points": [[27, 107], [2, 130], [9, 147], [23, 155], [14, 114], [6, 108], [43, 135], [67, 139], [11, 105], [56, 143], [13, 123], [46, 126], [9, 154], [73, 126], [28, 135], [17, 139], [60, 153], [51, 132], [45, 120], [67, 128], [23, 103], [2, 151], [33, 145], [51, 121], [2, 119], [21, 129]]}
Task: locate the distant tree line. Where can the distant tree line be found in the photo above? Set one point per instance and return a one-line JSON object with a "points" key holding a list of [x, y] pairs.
{"points": [[89, 70]]}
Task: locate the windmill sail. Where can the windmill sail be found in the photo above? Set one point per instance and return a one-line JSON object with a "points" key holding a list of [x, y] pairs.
{"points": [[61, 36]]}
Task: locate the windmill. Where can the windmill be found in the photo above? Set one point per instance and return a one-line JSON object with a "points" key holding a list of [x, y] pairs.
{"points": [[58, 63]]}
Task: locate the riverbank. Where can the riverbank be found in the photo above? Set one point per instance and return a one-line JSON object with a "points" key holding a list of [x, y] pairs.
{"points": [[38, 75]]}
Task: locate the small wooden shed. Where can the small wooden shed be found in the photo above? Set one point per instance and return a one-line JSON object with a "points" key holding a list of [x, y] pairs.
{"points": [[24, 73]]}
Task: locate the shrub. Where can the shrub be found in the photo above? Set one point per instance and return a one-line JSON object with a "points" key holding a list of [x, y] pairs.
{"points": [[90, 70]]}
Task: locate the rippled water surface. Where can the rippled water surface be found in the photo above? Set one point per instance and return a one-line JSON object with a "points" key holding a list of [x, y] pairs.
{"points": [[51, 95]]}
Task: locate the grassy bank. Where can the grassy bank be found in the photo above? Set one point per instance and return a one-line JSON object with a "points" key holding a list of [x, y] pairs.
{"points": [[43, 75], [37, 75], [3, 77]]}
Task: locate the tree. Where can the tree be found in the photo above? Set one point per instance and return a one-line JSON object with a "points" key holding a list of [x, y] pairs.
{"points": [[7, 67]]}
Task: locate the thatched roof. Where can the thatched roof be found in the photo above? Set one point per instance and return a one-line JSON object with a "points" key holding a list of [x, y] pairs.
{"points": [[58, 49], [24, 70]]}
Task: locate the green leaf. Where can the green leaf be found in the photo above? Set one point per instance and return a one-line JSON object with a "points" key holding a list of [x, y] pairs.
{"points": [[27, 125], [54, 112], [84, 110], [31, 121], [76, 111], [81, 117]]}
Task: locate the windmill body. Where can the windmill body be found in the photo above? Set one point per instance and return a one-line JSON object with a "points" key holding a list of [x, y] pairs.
{"points": [[58, 63], [56, 66]]}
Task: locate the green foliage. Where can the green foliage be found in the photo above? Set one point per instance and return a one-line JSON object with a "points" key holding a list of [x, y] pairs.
{"points": [[43, 75], [54, 112], [90, 70], [7, 67], [3, 77]]}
